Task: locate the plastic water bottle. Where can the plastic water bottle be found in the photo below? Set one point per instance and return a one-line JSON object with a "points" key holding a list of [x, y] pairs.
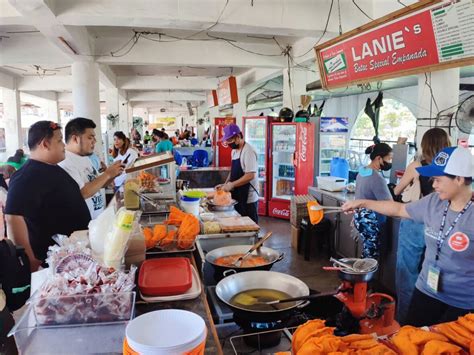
{"points": [[184, 162], [164, 172]]}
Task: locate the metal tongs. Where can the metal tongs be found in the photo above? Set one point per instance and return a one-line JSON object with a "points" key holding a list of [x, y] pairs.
{"points": [[330, 209], [360, 265], [146, 198]]}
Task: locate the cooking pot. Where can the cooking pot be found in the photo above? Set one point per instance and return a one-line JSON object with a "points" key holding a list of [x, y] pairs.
{"points": [[221, 271], [353, 276], [236, 283]]}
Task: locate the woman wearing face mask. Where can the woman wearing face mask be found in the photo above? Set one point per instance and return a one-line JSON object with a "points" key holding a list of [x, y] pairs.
{"points": [[242, 180], [371, 185]]}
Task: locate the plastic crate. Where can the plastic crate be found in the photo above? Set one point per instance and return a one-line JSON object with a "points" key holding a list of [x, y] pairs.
{"points": [[298, 208]]}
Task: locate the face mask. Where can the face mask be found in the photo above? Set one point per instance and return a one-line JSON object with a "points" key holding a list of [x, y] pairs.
{"points": [[234, 145], [386, 166]]}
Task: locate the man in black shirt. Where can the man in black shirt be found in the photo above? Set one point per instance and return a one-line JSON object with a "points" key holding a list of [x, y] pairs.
{"points": [[43, 200]]}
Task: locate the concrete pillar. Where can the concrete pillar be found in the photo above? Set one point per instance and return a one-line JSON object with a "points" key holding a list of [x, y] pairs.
{"points": [[292, 95], [112, 108], [86, 96], [445, 87], [12, 118], [125, 113], [53, 110], [240, 108]]}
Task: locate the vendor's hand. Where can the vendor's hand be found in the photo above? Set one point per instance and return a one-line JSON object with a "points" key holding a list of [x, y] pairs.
{"points": [[227, 187], [103, 167], [114, 170], [350, 206]]}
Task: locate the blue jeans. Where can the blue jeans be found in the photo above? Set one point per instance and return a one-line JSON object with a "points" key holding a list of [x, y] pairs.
{"points": [[411, 248]]}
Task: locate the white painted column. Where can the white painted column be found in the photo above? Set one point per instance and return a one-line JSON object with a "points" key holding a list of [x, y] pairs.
{"points": [[125, 113], [112, 108], [53, 110], [445, 87], [86, 97], [12, 118], [240, 108], [292, 95]]}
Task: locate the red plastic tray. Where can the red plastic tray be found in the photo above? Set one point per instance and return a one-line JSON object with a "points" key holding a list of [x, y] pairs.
{"points": [[165, 276]]}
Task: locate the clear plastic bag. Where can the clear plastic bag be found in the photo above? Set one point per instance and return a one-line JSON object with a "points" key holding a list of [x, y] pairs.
{"points": [[116, 242]]}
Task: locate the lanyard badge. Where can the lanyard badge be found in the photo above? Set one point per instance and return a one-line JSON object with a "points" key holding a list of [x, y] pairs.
{"points": [[442, 236], [434, 272]]}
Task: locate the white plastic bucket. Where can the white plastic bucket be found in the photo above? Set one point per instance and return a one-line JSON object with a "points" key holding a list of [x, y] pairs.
{"points": [[169, 331], [191, 207]]}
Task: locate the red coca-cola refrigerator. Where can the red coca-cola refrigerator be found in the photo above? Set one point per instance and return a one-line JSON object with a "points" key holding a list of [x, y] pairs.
{"points": [[222, 153], [257, 134], [291, 164]]}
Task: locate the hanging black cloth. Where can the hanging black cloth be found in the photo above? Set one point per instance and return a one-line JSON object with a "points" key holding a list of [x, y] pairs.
{"points": [[372, 109]]}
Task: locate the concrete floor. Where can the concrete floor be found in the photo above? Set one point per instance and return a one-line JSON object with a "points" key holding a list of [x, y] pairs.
{"points": [[311, 271]]}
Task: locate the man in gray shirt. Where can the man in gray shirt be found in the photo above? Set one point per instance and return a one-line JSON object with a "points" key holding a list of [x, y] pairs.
{"points": [[444, 289]]}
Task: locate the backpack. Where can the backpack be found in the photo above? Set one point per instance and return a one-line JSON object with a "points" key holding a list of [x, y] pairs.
{"points": [[15, 275]]}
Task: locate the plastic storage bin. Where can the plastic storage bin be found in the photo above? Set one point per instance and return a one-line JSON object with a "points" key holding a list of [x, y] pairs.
{"points": [[82, 309], [34, 338], [330, 183]]}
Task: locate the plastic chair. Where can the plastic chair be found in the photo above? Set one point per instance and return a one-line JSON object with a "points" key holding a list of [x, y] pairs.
{"points": [[200, 158], [178, 158]]}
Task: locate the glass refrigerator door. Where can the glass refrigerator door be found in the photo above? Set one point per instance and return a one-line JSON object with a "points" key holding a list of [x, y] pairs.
{"points": [[283, 170], [331, 145], [256, 136]]}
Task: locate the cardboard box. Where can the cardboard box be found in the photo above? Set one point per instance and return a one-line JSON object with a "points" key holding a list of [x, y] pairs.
{"points": [[295, 232]]}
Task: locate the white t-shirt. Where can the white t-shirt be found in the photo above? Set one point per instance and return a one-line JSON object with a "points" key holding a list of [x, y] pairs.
{"points": [[248, 162], [120, 180], [82, 171]]}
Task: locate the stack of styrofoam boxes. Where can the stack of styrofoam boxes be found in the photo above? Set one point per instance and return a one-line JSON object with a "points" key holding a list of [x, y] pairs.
{"points": [[298, 210]]}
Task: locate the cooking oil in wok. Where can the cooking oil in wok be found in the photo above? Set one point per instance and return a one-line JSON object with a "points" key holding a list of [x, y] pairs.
{"points": [[254, 299]]}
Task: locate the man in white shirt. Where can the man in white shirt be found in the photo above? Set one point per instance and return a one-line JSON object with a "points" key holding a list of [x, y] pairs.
{"points": [[242, 181], [80, 142]]}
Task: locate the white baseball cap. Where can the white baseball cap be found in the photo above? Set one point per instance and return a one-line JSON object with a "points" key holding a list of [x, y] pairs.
{"points": [[457, 161]]}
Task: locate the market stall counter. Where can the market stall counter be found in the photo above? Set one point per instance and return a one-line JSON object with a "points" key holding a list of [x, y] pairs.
{"points": [[198, 306]]}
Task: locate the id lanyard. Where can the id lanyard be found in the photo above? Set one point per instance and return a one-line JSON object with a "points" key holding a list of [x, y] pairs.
{"points": [[441, 236]]}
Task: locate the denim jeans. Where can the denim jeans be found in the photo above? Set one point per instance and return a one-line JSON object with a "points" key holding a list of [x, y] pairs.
{"points": [[411, 247]]}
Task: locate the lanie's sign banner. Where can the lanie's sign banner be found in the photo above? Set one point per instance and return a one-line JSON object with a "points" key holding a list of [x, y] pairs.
{"points": [[438, 35]]}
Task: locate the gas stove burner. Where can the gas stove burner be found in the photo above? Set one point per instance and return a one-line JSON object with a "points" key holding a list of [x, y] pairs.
{"points": [[264, 325], [260, 341]]}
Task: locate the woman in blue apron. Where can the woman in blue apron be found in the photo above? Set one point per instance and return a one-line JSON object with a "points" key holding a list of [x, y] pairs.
{"points": [[242, 179], [371, 185]]}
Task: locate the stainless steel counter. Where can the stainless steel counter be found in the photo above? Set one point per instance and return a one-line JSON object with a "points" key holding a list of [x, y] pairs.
{"points": [[340, 196]]}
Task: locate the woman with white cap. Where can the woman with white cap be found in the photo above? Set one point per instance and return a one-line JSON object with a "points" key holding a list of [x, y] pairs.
{"points": [[444, 289]]}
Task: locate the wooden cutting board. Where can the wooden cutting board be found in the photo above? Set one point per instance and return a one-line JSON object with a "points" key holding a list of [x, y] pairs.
{"points": [[237, 224]]}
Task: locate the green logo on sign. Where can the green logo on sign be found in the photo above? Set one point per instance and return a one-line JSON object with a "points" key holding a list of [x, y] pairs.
{"points": [[335, 64]]}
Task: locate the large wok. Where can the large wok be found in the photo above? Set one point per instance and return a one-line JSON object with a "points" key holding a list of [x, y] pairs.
{"points": [[234, 284], [221, 271]]}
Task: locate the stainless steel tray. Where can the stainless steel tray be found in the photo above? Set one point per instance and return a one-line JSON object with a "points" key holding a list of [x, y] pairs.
{"points": [[212, 207], [158, 251]]}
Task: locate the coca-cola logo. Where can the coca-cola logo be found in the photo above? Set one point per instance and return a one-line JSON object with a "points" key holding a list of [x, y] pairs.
{"points": [[303, 143], [283, 213]]}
